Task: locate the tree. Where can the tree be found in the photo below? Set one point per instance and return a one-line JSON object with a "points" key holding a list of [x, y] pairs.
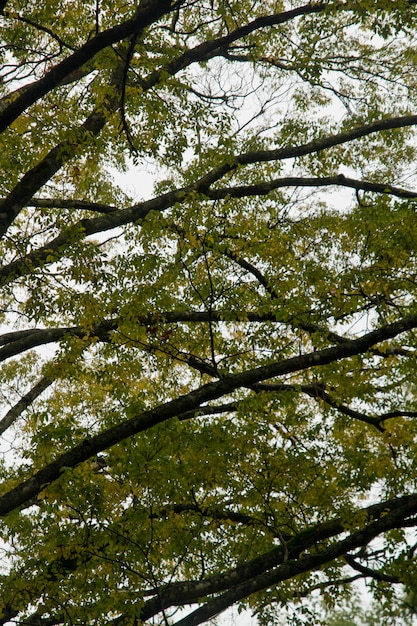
{"points": [[209, 393]]}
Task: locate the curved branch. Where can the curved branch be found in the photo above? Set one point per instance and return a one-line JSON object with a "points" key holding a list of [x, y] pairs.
{"points": [[220, 45], [36, 177], [40, 27], [318, 392], [311, 147], [270, 567], [367, 571], [264, 188], [90, 446], [165, 201], [394, 518], [148, 12]]}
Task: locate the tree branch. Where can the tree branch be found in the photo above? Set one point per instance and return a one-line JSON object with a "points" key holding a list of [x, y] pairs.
{"points": [[264, 188], [270, 567], [36, 177], [368, 572], [164, 201], [90, 446], [393, 518], [23, 403], [311, 147], [147, 12], [65, 203]]}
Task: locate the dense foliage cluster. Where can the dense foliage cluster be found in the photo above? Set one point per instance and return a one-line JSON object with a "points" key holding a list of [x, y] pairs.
{"points": [[208, 372]]}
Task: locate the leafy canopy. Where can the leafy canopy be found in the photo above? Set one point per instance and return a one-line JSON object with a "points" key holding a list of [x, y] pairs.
{"points": [[208, 391]]}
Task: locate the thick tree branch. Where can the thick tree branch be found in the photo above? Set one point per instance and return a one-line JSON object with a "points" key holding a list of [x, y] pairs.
{"points": [[36, 177], [148, 12], [191, 591], [394, 518], [191, 401], [270, 568], [164, 201], [206, 498], [311, 147], [219, 46], [22, 340]]}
